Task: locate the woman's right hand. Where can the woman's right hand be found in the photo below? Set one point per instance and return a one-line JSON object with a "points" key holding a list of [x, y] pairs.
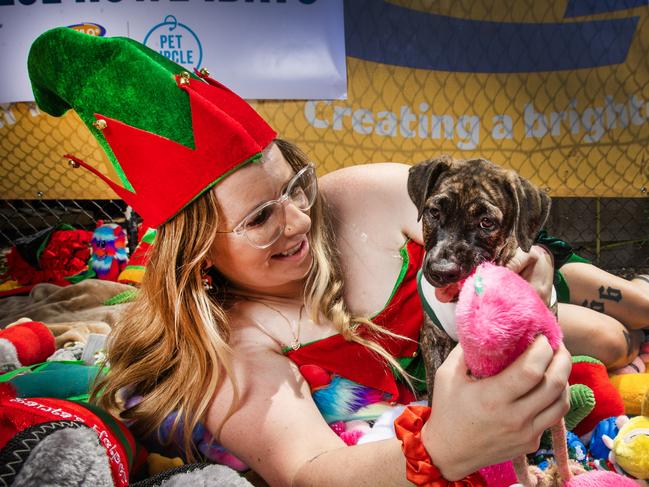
{"points": [[475, 423]]}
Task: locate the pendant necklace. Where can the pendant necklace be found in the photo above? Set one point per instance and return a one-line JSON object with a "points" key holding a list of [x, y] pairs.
{"points": [[295, 343]]}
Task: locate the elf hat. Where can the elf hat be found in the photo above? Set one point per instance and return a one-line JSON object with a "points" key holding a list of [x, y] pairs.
{"points": [[169, 134]]}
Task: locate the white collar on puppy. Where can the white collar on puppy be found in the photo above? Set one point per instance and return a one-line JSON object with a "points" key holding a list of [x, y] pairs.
{"points": [[442, 314]]}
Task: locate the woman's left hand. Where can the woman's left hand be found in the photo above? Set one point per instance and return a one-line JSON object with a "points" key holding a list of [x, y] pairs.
{"points": [[536, 267]]}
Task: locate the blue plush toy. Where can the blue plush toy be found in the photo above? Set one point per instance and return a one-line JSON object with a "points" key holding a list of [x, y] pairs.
{"points": [[606, 427]]}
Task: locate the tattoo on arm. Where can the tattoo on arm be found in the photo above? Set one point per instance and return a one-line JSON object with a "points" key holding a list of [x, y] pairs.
{"points": [[594, 305], [610, 293], [629, 344]]}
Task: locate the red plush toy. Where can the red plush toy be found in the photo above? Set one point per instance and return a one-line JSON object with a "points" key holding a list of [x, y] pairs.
{"points": [[27, 422], [608, 402], [50, 256], [25, 343]]}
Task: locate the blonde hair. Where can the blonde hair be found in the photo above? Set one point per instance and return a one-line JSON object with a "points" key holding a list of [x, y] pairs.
{"points": [[324, 287], [171, 347]]}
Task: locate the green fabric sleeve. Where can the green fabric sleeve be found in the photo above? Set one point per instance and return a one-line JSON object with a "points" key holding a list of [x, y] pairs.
{"points": [[561, 251]]}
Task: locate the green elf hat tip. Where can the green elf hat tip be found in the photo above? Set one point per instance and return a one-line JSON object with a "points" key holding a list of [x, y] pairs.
{"points": [[169, 134]]}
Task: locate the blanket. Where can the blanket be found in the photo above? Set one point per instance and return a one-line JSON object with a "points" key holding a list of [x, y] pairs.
{"points": [[51, 304]]}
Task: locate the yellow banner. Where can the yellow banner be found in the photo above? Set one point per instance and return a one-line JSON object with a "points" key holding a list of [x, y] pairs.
{"points": [[32, 145], [558, 91]]}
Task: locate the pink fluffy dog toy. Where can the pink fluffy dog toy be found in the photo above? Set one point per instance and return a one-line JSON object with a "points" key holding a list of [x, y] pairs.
{"points": [[498, 316]]}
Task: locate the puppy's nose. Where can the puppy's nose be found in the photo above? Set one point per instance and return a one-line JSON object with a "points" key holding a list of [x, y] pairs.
{"points": [[446, 276]]}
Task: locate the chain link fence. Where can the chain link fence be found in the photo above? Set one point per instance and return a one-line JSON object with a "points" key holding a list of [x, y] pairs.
{"points": [[22, 218], [558, 91], [612, 232]]}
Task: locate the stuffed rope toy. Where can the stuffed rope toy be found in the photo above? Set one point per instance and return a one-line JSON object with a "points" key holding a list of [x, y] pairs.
{"points": [[498, 316]]}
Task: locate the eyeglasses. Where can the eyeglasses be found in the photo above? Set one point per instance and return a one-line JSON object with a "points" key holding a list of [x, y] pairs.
{"points": [[263, 226]]}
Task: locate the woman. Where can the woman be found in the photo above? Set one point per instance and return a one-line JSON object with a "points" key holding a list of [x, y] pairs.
{"points": [[261, 284], [291, 292]]}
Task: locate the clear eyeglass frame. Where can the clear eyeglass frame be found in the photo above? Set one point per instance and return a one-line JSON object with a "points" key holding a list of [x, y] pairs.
{"points": [[301, 191]]}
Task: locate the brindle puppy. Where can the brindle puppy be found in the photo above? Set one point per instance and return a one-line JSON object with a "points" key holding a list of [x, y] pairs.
{"points": [[471, 211]]}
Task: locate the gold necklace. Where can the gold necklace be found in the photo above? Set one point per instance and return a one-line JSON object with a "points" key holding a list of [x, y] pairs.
{"points": [[295, 344]]}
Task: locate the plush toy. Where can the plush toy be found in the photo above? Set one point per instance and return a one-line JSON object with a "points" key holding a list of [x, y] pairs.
{"points": [[630, 448], [498, 316], [201, 439], [597, 447], [351, 431], [46, 441], [25, 343], [632, 389], [70, 380], [53, 255], [592, 373], [134, 270], [42, 416], [108, 251], [582, 403]]}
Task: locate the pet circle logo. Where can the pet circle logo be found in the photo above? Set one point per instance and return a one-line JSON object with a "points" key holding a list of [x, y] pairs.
{"points": [[89, 28], [177, 42]]}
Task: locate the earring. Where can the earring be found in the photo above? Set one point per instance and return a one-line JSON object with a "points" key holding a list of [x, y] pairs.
{"points": [[206, 279]]}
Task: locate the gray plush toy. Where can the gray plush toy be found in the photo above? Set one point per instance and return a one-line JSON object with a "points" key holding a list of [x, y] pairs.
{"points": [[68, 454]]}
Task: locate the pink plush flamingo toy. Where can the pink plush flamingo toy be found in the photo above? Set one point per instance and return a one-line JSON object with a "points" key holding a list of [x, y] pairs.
{"points": [[498, 316]]}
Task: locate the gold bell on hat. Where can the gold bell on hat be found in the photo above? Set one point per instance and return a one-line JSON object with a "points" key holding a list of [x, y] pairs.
{"points": [[100, 124], [184, 78]]}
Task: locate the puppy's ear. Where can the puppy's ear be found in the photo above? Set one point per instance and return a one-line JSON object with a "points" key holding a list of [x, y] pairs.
{"points": [[422, 178], [532, 211]]}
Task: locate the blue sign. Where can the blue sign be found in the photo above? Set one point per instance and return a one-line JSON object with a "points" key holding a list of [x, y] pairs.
{"points": [[385, 33]]}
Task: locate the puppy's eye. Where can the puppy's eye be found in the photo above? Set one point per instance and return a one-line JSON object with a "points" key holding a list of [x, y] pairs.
{"points": [[487, 224], [433, 213]]}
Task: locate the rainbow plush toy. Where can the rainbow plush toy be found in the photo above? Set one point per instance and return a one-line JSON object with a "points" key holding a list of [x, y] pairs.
{"points": [[134, 271], [109, 255], [498, 316]]}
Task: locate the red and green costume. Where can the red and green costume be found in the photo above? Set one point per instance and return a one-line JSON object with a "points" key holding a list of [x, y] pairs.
{"points": [[346, 378]]}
